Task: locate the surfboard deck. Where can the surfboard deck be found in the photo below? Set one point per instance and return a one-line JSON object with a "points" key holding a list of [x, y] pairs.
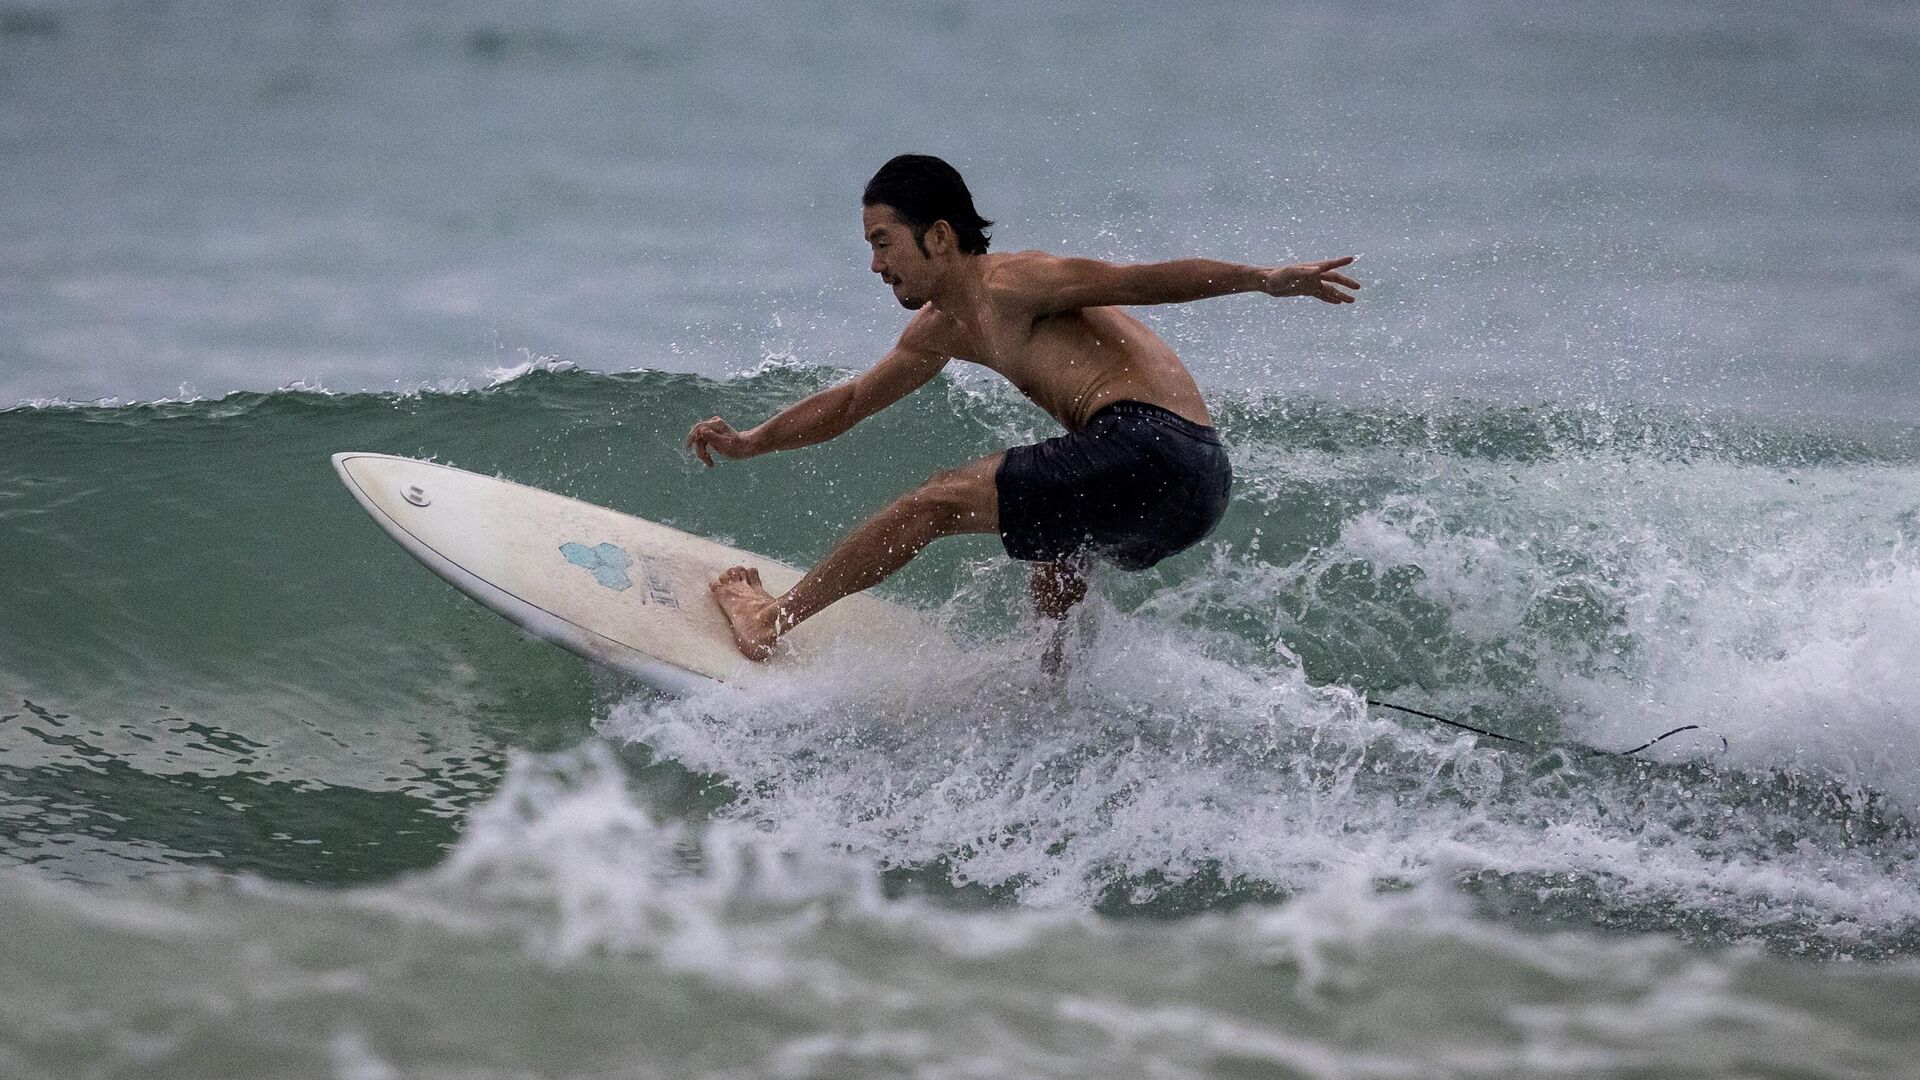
{"points": [[617, 589]]}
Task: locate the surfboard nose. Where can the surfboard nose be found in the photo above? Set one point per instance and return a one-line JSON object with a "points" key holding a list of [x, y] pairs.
{"points": [[370, 476], [344, 460]]}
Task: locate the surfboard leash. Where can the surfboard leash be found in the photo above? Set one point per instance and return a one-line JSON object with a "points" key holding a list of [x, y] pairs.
{"points": [[1524, 742]]}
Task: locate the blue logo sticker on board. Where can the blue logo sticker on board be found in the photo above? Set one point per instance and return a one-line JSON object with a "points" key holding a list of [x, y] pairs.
{"points": [[607, 562]]}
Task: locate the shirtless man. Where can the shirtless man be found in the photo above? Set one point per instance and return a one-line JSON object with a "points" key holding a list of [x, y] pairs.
{"points": [[1139, 475]]}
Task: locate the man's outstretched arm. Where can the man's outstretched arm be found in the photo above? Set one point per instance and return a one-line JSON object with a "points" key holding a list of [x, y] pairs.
{"points": [[1050, 283], [825, 415]]}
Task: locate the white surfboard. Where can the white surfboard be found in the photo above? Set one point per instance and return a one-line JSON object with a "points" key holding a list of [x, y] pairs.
{"points": [[620, 590]]}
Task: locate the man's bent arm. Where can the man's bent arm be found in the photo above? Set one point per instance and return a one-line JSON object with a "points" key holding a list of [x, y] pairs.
{"points": [[832, 412], [1050, 284]]}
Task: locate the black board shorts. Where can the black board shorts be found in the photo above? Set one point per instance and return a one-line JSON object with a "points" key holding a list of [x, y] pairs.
{"points": [[1136, 484]]}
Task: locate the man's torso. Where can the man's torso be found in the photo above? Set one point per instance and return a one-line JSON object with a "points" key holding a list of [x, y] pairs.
{"points": [[1073, 363]]}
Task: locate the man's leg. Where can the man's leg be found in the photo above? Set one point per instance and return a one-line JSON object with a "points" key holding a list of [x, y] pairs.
{"points": [[962, 500], [1056, 587]]}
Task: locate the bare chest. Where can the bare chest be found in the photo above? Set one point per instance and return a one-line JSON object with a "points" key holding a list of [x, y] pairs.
{"points": [[1025, 352]]}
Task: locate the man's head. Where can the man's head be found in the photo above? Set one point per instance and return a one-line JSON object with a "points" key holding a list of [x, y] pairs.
{"points": [[924, 198]]}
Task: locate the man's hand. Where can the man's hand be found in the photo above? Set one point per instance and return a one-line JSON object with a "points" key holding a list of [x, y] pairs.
{"points": [[717, 436], [1315, 279]]}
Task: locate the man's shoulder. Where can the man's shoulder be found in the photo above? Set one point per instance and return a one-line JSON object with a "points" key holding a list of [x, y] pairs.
{"points": [[1014, 264], [1016, 279], [930, 331]]}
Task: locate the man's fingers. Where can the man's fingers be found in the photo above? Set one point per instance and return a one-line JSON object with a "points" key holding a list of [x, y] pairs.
{"points": [[1315, 279], [700, 439]]}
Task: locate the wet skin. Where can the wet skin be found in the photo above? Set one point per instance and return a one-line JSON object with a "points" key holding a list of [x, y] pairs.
{"points": [[1050, 325]]}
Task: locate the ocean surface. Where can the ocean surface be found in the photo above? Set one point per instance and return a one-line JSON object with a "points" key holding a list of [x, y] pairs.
{"points": [[1620, 438]]}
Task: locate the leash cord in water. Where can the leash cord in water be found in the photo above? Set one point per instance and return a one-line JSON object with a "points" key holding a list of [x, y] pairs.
{"points": [[1523, 742]]}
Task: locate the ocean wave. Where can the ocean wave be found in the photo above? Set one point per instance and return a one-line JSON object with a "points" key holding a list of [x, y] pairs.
{"points": [[1566, 577]]}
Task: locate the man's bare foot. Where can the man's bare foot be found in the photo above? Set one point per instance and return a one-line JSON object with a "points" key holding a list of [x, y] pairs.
{"points": [[750, 609]]}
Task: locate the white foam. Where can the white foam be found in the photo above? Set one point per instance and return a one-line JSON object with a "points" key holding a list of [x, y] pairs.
{"points": [[1157, 762], [530, 363], [1772, 605]]}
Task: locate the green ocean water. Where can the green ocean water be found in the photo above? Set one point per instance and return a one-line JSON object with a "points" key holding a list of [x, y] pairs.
{"points": [[276, 801]]}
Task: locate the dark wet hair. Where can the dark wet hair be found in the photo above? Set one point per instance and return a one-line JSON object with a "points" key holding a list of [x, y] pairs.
{"points": [[923, 190]]}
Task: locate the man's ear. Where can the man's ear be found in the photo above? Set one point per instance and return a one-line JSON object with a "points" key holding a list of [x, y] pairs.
{"points": [[941, 239]]}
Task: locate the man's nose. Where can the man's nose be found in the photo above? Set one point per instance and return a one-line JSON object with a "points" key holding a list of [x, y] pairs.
{"points": [[878, 268]]}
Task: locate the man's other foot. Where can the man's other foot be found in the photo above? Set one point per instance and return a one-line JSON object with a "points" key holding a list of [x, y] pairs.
{"points": [[750, 610]]}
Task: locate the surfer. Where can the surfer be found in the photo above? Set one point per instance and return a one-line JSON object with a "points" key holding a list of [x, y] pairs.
{"points": [[1140, 473]]}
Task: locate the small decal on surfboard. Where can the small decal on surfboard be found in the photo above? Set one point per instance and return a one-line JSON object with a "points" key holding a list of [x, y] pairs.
{"points": [[607, 563], [659, 590]]}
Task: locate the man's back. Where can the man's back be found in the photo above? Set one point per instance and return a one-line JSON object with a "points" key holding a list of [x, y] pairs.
{"points": [[1072, 362]]}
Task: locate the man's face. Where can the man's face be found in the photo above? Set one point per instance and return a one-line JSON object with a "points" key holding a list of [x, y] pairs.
{"points": [[897, 258]]}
